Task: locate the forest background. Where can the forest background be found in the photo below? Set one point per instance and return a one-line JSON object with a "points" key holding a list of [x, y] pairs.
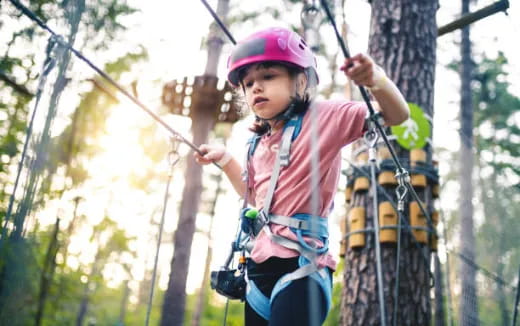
{"points": [[97, 197]]}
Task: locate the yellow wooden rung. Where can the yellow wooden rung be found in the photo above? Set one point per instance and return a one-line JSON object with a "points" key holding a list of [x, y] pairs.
{"points": [[356, 223], [435, 243], [387, 217], [343, 243], [362, 157], [417, 155], [361, 184], [383, 153], [419, 180], [436, 190], [435, 218], [348, 194], [417, 219], [387, 178]]}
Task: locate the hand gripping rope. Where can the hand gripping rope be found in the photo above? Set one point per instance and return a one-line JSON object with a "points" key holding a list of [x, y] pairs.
{"points": [[103, 74], [401, 173]]}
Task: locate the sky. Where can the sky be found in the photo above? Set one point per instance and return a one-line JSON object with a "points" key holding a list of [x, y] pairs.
{"points": [[173, 36]]}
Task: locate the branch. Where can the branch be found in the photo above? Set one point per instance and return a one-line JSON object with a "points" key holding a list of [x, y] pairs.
{"points": [[470, 18], [17, 87]]}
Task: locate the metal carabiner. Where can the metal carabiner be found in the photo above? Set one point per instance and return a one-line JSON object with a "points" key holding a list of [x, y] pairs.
{"points": [[401, 190], [371, 137], [173, 155]]}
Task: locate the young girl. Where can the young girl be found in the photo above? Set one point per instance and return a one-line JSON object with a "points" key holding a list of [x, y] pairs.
{"points": [[289, 270]]}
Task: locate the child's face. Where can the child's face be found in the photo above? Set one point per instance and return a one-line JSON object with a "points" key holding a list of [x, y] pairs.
{"points": [[268, 90]]}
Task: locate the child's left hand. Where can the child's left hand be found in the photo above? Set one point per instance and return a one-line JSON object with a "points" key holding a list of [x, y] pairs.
{"points": [[362, 70]]}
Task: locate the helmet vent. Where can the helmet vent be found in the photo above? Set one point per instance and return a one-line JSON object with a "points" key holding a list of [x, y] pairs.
{"points": [[282, 44]]}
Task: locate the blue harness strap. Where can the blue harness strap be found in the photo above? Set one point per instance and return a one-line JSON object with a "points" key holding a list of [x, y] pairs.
{"points": [[297, 123], [262, 304]]}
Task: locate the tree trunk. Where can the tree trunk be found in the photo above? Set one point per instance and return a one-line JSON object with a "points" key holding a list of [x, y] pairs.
{"points": [[403, 41], [468, 314], [47, 275], [440, 319], [124, 303], [85, 298], [203, 120], [199, 309]]}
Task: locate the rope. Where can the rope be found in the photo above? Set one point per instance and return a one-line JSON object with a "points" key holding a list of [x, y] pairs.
{"points": [[370, 138], [407, 226], [219, 21], [484, 271], [374, 117], [48, 65], [173, 158], [103, 74]]}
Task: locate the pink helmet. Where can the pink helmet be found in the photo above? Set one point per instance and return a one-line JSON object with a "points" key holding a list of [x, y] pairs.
{"points": [[272, 44]]}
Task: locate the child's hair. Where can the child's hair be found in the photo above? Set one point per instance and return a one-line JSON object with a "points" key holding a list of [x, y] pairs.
{"points": [[299, 104]]}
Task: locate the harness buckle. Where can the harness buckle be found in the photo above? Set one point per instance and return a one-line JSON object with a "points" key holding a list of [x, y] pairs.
{"points": [[264, 217], [284, 159]]}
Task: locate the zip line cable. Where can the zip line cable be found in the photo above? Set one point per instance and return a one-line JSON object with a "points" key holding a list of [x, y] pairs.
{"points": [[78, 54], [370, 139], [219, 22], [173, 158], [48, 65]]}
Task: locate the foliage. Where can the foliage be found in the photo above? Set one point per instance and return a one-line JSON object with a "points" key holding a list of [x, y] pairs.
{"points": [[497, 144], [22, 67]]}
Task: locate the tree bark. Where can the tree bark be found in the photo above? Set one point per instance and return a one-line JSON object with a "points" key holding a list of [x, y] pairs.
{"points": [[402, 41], [440, 319], [199, 309], [203, 120], [48, 270], [468, 314]]}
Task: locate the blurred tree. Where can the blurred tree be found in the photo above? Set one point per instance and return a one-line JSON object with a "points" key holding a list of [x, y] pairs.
{"points": [[497, 143], [203, 116], [468, 315], [112, 244], [19, 71]]}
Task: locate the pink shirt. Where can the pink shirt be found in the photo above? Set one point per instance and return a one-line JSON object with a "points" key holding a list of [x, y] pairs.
{"points": [[339, 124]]}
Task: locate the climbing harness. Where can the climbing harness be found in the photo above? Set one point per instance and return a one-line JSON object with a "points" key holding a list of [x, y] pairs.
{"points": [[173, 159], [103, 74], [303, 225], [48, 65]]}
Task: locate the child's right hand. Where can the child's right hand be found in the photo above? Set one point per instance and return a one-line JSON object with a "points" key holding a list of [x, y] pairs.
{"points": [[212, 153]]}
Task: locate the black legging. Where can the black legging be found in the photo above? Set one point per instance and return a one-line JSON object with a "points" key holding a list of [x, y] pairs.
{"points": [[302, 303]]}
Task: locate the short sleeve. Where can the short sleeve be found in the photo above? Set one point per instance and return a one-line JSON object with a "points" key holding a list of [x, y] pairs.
{"points": [[349, 119]]}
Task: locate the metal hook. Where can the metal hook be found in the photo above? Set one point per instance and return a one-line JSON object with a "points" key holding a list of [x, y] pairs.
{"points": [[401, 190], [173, 155], [370, 137]]}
